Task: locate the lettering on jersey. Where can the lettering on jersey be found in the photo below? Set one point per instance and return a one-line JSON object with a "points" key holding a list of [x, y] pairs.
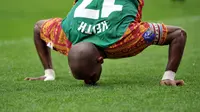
{"points": [[93, 29], [82, 27]]}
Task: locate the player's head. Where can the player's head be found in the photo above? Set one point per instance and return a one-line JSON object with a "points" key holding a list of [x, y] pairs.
{"points": [[85, 62]]}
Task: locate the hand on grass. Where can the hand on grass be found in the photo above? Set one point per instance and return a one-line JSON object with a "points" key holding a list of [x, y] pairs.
{"points": [[168, 82]]}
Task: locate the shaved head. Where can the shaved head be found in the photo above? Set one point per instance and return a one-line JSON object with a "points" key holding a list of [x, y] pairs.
{"points": [[85, 62]]}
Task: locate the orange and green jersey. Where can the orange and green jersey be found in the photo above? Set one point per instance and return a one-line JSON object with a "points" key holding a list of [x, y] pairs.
{"points": [[101, 22]]}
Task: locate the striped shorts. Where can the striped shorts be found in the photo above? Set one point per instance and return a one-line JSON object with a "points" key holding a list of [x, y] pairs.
{"points": [[55, 38], [138, 36]]}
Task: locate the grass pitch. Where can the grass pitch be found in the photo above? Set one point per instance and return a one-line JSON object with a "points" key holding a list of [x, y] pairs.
{"points": [[126, 85]]}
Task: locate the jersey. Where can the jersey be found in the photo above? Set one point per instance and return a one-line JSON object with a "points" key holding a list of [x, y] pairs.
{"points": [[101, 22]]}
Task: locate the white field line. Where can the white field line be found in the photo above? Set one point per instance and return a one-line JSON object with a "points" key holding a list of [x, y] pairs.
{"points": [[181, 20], [16, 42]]}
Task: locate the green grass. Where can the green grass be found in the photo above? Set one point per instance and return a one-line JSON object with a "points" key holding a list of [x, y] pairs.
{"points": [[126, 85]]}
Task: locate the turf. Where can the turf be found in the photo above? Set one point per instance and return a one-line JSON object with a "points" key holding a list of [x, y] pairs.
{"points": [[126, 85]]}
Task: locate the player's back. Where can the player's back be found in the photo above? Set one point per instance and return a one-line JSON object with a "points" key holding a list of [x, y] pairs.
{"points": [[101, 22]]}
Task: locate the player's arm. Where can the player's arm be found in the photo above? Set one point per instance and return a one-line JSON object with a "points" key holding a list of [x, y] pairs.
{"points": [[44, 55], [176, 39]]}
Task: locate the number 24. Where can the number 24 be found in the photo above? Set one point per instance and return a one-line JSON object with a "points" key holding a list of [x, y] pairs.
{"points": [[107, 8]]}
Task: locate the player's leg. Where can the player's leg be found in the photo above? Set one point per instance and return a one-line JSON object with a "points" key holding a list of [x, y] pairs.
{"points": [[42, 50]]}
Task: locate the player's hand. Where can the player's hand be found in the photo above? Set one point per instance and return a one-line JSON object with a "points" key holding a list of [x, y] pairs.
{"points": [[35, 78], [168, 82]]}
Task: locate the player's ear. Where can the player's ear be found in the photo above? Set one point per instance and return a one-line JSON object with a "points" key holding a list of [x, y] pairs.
{"points": [[100, 60]]}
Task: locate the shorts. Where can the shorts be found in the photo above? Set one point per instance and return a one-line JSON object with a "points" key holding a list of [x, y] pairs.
{"points": [[137, 37], [51, 32]]}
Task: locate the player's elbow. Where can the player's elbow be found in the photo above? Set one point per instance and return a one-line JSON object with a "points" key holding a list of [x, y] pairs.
{"points": [[182, 35], [37, 27]]}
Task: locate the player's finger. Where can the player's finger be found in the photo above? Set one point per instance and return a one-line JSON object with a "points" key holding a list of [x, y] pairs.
{"points": [[179, 82], [171, 83], [162, 83], [168, 83], [34, 78], [27, 78]]}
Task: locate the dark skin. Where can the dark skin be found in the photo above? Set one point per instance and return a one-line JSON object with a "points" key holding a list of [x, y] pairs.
{"points": [[176, 40], [42, 50], [85, 62]]}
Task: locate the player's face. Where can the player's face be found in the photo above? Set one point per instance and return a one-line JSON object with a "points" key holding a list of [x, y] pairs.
{"points": [[95, 75]]}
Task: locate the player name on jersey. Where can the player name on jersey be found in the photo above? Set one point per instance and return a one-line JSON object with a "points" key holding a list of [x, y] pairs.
{"points": [[93, 29]]}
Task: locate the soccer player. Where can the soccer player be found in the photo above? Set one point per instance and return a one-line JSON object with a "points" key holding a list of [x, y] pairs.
{"points": [[99, 29]]}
